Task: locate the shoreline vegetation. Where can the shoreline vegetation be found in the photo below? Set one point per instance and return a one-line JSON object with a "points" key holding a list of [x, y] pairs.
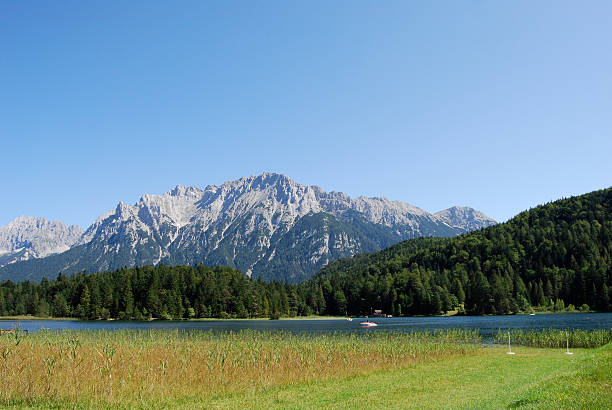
{"points": [[202, 293], [208, 319], [310, 317], [167, 368]]}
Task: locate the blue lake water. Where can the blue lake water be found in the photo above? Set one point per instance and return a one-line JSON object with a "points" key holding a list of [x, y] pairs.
{"points": [[488, 325]]}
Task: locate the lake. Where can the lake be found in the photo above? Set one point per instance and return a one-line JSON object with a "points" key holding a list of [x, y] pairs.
{"points": [[488, 325]]}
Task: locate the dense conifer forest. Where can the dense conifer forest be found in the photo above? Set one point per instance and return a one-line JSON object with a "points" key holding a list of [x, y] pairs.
{"points": [[555, 257], [552, 256], [152, 292]]}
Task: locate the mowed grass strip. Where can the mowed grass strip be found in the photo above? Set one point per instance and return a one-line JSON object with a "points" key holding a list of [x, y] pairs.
{"points": [[490, 379]]}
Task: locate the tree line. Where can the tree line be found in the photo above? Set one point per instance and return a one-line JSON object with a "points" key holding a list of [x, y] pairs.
{"points": [[179, 292]]}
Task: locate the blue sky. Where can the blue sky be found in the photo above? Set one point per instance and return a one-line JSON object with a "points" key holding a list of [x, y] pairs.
{"points": [[496, 105]]}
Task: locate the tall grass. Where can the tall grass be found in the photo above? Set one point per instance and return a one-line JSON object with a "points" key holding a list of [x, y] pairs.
{"points": [[132, 367], [555, 338]]}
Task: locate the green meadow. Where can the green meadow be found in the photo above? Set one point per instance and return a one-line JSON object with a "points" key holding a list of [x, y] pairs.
{"points": [[486, 379], [248, 369]]}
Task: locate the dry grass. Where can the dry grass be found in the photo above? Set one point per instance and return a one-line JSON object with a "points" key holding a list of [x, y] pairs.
{"points": [[556, 338], [135, 367]]}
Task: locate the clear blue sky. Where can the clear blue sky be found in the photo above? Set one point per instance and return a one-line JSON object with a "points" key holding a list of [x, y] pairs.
{"points": [[495, 105]]}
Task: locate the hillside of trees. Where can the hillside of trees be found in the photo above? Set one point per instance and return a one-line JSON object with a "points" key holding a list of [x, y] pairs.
{"points": [[554, 256]]}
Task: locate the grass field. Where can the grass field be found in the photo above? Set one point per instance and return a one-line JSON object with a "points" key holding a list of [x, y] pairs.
{"points": [[278, 370], [489, 379]]}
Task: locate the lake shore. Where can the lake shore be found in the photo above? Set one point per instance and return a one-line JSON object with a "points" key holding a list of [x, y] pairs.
{"points": [[210, 319], [30, 317]]}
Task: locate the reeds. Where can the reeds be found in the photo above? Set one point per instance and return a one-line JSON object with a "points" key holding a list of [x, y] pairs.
{"points": [[556, 338], [135, 367]]}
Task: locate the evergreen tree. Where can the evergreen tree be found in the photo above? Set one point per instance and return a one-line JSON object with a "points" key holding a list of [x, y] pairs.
{"points": [[84, 303]]}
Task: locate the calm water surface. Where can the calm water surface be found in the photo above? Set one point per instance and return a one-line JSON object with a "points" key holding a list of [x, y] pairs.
{"points": [[488, 325]]}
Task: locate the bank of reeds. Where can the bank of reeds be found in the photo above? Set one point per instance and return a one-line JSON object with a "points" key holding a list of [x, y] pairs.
{"points": [[132, 367], [555, 337]]}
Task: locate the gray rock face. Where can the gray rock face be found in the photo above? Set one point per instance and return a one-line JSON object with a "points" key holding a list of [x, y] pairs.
{"points": [[28, 237], [268, 226], [465, 218]]}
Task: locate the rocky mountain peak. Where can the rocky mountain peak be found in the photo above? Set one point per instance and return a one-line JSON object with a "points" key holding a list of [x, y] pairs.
{"points": [[181, 190], [465, 218], [28, 236]]}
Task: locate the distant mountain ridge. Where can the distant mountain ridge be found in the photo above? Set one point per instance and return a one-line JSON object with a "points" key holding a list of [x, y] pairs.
{"points": [[268, 226], [464, 217], [28, 237]]}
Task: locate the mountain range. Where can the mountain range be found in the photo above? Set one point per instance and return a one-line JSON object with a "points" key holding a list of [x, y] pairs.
{"points": [[268, 226]]}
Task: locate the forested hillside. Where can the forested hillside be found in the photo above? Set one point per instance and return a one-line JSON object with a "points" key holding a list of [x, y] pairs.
{"points": [[551, 256]]}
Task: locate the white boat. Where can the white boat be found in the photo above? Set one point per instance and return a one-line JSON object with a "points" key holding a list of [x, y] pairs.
{"points": [[350, 319], [368, 323]]}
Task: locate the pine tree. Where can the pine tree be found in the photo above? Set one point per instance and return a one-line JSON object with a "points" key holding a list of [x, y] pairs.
{"points": [[3, 311], [84, 303]]}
